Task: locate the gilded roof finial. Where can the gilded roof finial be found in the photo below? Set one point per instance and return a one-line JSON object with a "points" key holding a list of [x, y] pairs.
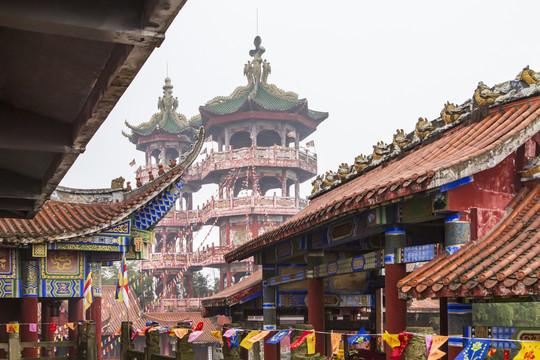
{"points": [[253, 70], [167, 103]]}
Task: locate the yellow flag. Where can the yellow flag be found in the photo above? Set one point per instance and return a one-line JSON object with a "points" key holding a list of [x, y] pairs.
{"points": [[310, 341], [529, 350], [216, 334], [15, 328], [336, 340], [391, 340], [71, 325], [246, 344], [180, 332]]}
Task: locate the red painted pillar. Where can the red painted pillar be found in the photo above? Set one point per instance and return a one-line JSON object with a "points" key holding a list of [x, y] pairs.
{"points": [[29, 315], [271, 351], [221, 281], [316, 314], [396, 309], [94, 313], [75, 314], [46, 335]]}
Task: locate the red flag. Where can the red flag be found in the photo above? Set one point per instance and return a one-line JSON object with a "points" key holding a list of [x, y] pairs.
{"points": [[301, 339], [52, 327], [404, 339], [198, 327]]}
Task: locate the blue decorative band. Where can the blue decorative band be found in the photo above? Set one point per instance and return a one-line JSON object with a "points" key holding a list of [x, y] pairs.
{"points": [[389, 259], [395, 231], [451, 218], [269, 327]]}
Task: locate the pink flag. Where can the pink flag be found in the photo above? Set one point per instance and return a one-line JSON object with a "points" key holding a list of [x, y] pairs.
{"points": [[194, 335], [229, 332], [32, 327]]}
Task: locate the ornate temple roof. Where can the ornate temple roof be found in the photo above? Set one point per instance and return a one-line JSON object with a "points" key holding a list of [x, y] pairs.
{"points": [[259, 95], [167, 120], [62, 220], [248, 286], [465, 140], [505, 262]]}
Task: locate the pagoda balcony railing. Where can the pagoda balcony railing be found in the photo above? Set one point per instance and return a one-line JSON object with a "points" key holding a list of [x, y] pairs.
{"points": [[275, 156], [206, 256], [279, 205]]}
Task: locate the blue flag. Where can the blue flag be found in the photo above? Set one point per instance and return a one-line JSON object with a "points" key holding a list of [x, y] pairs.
{"points": [[475, 350], [360, 337], [278, 337], [233, 340]]}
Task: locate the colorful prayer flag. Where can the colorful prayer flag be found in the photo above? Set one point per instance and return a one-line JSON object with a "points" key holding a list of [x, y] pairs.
{"points": [[180, 332], [291, 134], [278, 337], [194, 335], [9, 328], [216, 334], [336, 340], [52, 327], [404, 339], [310, 143], [87, 294], [122, 284], [132, 162], [434, 352], [530, 350], [233, 340], [301, 339], [475, 350], [198, 327], [208, 139], [310, 340], [259, 336], [391, 340], [360, 337], [230, 332], [15, 328], [32, 327], [246, 344]]}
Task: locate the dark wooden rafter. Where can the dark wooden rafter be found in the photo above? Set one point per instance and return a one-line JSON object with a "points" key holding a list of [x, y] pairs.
{"points": [[132, 30]]}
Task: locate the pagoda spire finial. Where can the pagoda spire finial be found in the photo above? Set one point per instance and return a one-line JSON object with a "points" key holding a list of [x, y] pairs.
{"points": [[256, 69], [167, 103]]}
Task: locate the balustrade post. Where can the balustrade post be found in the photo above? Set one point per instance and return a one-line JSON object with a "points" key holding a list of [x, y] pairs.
{"points": [[125, 339], [14, 344], [91, 341], [152, 343], [184, 349], [81, 341]]}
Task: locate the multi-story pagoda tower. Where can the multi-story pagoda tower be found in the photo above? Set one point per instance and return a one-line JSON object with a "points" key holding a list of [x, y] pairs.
{"points": [[259, 164], [258, 167], [164, 139]]}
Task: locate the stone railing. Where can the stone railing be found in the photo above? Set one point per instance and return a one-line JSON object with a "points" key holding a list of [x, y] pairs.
{"points": [[177, 304], [206, 256], [275, 156]]}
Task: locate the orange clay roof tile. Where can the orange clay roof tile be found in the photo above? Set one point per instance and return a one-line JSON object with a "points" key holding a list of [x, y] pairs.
{"points": [[504, 262], [500, 132]]}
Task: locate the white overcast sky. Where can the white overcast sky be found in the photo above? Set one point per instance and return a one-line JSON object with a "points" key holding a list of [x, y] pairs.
{"points": [[375, 66]]}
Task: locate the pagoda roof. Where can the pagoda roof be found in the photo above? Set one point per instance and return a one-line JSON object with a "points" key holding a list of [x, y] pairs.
{"points": [[63, 220], [167, 120], [260, 96], [465, 140], [505, 262]]}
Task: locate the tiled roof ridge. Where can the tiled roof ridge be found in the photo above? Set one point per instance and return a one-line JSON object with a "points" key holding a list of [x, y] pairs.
{"points": [[467, 149], [501, 248], [60, 220], [451, 116]]}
